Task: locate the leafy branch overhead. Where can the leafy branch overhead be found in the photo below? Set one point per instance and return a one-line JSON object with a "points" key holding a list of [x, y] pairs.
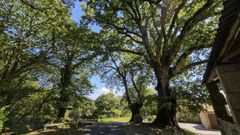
{"points": [[160, 30], [49, 63]]}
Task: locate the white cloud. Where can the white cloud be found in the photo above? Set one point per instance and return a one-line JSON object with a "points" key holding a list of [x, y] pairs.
{"points": [[105, 90]]}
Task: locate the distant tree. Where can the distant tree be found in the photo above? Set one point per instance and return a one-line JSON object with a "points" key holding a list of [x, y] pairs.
{"points": [[83, 108], [128, 73], [142, 105], [108, 105]]}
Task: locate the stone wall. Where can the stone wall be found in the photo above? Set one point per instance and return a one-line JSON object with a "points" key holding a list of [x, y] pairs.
{"points": [[230, 78], [228, 128]]}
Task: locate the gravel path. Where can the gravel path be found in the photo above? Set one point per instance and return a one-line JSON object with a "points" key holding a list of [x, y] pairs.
{"points": [[123, 128], [116, 128], [198, 129]]}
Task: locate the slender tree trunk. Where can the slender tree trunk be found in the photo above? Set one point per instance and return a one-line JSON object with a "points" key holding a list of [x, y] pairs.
{"points": [[167, 104], [134, 107]]}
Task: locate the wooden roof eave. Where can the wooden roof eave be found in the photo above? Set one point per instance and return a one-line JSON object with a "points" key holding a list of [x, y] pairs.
{"points": [[221, 45]]}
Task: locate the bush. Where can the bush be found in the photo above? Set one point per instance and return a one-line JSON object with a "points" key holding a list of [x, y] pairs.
{"points": [[186, 116], [149, 117], [2, 117]]}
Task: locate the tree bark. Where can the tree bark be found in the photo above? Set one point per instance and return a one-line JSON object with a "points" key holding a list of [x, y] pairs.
{"points": [[62, 104], [64, 93], [167, 104], [166, 115], [135, 109]]}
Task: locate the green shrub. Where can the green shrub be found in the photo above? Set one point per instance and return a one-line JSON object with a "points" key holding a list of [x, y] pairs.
{"points": [[2, 117]]}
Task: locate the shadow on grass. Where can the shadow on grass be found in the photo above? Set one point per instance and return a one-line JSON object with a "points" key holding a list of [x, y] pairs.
{"points": [[33, 129], [70, 131], [20, 129]]}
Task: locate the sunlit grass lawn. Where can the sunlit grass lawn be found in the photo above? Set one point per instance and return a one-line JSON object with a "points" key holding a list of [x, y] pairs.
{"points": [[118, 119]]}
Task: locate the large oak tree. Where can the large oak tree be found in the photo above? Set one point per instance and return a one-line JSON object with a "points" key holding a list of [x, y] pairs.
{"points": [[166, 33]]}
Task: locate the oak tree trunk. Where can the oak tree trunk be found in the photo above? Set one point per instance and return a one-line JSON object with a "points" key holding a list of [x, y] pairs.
{"points": [[62, 105], [167, 104], [135, 109], [166, 115], [64, 93]]}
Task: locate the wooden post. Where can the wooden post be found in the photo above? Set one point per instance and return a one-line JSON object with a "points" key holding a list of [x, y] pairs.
{"points": [[218, 101]]}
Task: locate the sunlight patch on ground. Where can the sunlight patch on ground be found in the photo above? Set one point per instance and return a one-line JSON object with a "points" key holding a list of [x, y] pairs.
{"points": [[120, 119]]}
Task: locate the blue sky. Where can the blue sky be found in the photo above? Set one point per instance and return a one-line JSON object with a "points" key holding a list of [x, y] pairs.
{"points": [[100, 86], [77, 13]]}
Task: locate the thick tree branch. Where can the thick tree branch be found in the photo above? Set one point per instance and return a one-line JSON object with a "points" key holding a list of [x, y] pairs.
{"points": [[137, 11], [135, 86], [132, 38], [153, 1], [164, 10], [32, 6], [132, 9], [159, 34], [117, 68], [137, 16], [144, 33], [88, 58], [185, 55], [175, 16], [194, 64], [185, 68], [131, 51], [125, 30], [190, 23], [124, 80]]}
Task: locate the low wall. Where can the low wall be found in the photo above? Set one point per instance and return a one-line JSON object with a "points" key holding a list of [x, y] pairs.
{"points": [[228, 128]]}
